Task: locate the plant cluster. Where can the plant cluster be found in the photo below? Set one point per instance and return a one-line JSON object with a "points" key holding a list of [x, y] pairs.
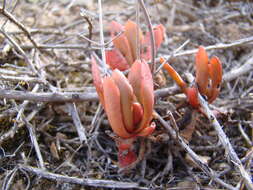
{"points": [[129, 101]]}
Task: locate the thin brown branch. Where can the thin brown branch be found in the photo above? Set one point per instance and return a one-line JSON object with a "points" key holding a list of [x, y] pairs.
{"points": [[48, 96], [81, 181], [34, 141], [235, 73], [78, 124], [59, 46], [101, 30], [20, 78], [152, 39], [11, 18], [20, 50], [216, 46], [88, 95], [90, 27]]}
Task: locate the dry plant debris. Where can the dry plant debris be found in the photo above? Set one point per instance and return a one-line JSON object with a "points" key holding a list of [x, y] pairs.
{"points": [[55, 135]]}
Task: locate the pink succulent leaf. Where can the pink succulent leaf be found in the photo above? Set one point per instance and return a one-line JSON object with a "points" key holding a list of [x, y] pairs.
{"points": [[116, 60], [146, 131], [97, 80], [126, 99], [140, 78], [113, 108], [202, 73]]}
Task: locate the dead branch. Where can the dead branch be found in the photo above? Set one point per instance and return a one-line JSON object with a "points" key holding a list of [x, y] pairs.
{"points": [[217, 46], [34, 141], [21, 78], [48, 96], [101, 27], [87, 95], [11, 18], [236, 72], [78, 124], [152, 39], [80, 181]]}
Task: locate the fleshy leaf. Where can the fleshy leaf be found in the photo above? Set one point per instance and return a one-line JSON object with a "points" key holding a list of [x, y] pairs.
{"points": [[175, 76], [115, 28], [147, 130], [97, 81], [192, 96], [121, 42], [137, 113], [202, 73], [140, 78], [131, 30], [116, 60], [126, 99], [113, 107], [134, 78], [159, 32], [214, 92], [215, 72]]}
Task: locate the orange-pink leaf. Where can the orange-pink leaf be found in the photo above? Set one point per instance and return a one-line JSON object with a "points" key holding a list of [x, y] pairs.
{"points": [[202, 73], [115, 28], [140, 78], [175, 76], [126, 99], [192, 96], [137, 113], [215, 72], [97, 81], [147, 130], [134, 78], [116, 60], [113, 107], [159, 32], [131, 30], [121, 42]]}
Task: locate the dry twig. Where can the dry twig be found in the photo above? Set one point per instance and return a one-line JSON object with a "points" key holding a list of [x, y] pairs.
{"points": [[78, 124], [80, 181], [11, 18], [152, 39], [34, 141]]}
